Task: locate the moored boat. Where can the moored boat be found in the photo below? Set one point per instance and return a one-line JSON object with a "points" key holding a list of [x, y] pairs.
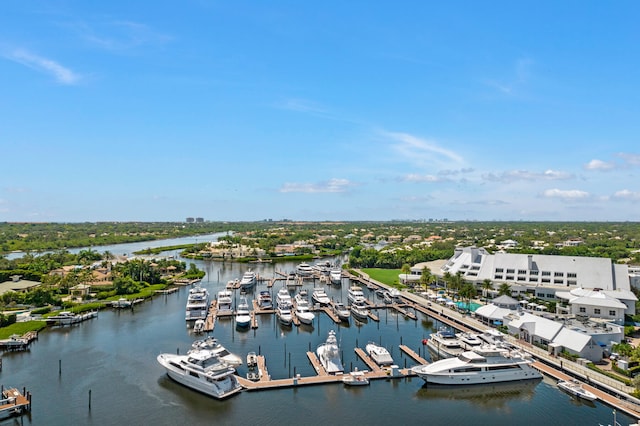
{"points": [[248, 280], [202, 370], [575, 388], [488, 364], [379, 354], [360, 311], [335, 276], [355, 294], [264, 300], [444, 344], [355, 378], [341, 311], [329, 354], [303, 313], [304, 270], [197, 303], [198, 326], [243, 314], [216, 347], [320, 296], [225, 302]]}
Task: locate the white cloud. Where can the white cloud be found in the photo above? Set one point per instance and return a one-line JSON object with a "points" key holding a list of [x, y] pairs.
{"points": [[332, 185], [600, 165], [625, 194], [300, 105], [413, 177], [520, 74], [630, 159], [62, 74], [568, 194], [119, 35], [515, 175], [422, 150]]}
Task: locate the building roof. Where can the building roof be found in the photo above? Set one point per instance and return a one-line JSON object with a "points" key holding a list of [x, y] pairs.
{"points": [[571, 339], [492, 312], [19, 285], [541, 327]]}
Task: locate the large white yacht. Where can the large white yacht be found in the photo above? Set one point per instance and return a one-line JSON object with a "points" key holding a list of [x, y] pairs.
{"points": [[355, 294], [203, 371], [320, 296], [329, 354], [335, 275], [212, 344], [303, 313], [197, 304], [444, 344], [243, 314], [488, 364], [304, 269], [283, 307], [248, 280], [225, 302], [359, 310]]}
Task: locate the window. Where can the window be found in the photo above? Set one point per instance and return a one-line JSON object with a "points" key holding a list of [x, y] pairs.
{"points": [[510, 277], [558, 274], [551, 295], [572, 282], [558, 281], [511, 271], [499, 270], [583, 309], [612, 313], [546, 280], [596, 311], [533, 272], [546, 273], [498, 277], [522, 271], [533, 279], [522, 278], [571, 275]]}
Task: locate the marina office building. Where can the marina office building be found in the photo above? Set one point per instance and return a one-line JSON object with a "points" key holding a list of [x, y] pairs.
{"points": [[582, 286]]}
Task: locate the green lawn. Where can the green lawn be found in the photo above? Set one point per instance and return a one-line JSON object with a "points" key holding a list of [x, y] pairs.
{"points": [[21, 328], [385, 276]]}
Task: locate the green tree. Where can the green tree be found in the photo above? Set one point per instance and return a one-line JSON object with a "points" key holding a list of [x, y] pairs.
{"points": [[486, 286], [406, 270], [426, 278], [504, 290]]}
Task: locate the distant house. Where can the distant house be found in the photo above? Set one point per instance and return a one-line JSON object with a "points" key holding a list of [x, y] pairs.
{"points": [[17, 284]]}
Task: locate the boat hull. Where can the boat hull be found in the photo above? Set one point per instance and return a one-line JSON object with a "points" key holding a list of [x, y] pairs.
{"points": [[219, 389], [526, 373]]}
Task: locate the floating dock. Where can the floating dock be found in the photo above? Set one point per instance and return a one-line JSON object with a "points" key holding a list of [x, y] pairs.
{"points": [[15, 403]]}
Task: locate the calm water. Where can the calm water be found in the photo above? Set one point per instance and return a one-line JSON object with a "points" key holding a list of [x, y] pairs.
{"points": [[114, 357]]}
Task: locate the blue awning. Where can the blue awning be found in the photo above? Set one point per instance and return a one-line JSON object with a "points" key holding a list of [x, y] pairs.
{"points": [[602, 344]]}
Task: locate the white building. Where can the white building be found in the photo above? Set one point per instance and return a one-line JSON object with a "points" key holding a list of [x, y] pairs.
{"points": [[545, 276]]}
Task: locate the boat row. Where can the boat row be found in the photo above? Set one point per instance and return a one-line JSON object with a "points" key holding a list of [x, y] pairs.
{"points": [[445, 343]]}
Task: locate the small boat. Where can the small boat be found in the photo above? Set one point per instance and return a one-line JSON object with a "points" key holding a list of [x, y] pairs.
{"points": [[197, 303], [355, 378], [252, 359], [283, 312], [320, 296], [329, 354], [341, 311], [121, 303], [264, 300], [469, 340], [379, 354], [243, 314], [574, 387], [198, 326], [355, 294], [444, 344]]}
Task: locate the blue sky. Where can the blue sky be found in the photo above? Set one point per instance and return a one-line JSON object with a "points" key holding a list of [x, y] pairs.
{"points": [[244, 110]]}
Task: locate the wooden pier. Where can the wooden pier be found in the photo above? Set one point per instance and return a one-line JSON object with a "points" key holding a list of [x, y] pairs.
{"points": [[15, 403], [367, 360], [210, 320], [407, 350]]}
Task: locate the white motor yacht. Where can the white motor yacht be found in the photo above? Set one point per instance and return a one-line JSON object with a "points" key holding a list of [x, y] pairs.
{"points": [[329, 354], [320, 296], [379, 354], [444, 344], [487, 364], [264, 300], [341, 311], [248, 280], [243, 314], [303, 313], [355, 294], [225, 302], [202, 370], [360, 311], [197, 304], [304, 270], [355, 378], [335, 275], [198, 326], [213, 345]]}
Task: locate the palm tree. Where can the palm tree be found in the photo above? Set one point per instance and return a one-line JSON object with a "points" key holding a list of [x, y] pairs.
{"points": [[406, 270], [504, 290], [426, 278], [486, 286]]}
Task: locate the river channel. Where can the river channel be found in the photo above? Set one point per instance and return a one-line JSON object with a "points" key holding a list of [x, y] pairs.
{"points": [[104, 371]]}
